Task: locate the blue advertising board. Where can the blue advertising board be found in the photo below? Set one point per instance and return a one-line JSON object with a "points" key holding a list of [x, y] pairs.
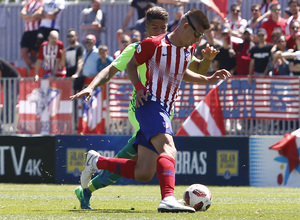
{"points": [[208, 160]]}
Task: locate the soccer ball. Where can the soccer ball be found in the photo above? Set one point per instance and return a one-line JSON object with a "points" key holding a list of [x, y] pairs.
{"points": [[197, 196]]}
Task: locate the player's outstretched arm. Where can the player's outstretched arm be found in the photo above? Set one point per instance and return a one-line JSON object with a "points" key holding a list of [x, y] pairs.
{"points": [[101, 78], [191, 76], [202, 66]]}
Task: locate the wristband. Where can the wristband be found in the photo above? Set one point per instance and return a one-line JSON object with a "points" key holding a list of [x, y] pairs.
{"points": [[138, 86]]}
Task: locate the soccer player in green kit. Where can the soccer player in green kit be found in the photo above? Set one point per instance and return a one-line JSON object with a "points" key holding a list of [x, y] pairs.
{"points": [[156, 24]]}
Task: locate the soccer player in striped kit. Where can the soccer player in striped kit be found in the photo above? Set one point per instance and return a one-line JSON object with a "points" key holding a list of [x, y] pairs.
{"points": [[144, 168]]}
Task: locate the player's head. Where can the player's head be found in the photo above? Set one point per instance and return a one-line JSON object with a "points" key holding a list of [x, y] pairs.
{"points": [[192, 26], [53, 37], [156, 21]]}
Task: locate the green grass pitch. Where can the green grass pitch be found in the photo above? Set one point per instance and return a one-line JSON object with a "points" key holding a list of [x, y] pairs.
{"points": [[41, 201]]}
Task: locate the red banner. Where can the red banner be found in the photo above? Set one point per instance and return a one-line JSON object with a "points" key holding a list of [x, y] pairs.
{"points": [[45, 107]]}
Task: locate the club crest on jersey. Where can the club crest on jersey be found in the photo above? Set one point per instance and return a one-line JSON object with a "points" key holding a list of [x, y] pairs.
{"points": [[139, 49], [187, 55]]}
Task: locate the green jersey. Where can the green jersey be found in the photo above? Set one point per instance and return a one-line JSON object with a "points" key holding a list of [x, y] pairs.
{"points": [[121, 64]]}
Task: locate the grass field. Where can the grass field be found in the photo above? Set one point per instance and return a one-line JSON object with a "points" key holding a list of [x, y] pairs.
{"points": [[39, 201]]}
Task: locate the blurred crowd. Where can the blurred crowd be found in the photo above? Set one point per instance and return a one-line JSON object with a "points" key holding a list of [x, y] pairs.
{"points": [[266, 44]]}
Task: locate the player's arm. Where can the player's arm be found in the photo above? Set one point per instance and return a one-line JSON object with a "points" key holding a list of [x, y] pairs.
{"points": [[100, 79], [107, 73], [193, 77], [134, 78], [143, 53], [202, 66]]}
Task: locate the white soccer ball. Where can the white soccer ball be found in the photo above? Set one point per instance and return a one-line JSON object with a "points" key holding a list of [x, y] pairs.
{"points": [[197, 196]]}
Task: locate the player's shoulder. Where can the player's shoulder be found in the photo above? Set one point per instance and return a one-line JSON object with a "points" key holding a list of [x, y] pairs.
{"points": [[155, 40]]}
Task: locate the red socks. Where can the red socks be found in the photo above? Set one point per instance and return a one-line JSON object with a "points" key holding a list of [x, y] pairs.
{"points": [[120, 166], [165, 169]]}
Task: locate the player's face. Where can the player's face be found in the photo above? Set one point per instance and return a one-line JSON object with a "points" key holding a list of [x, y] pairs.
{"points": [[194, 33], [156, 27]]}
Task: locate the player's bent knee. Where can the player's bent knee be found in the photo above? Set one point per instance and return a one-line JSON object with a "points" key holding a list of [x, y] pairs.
{"points": [[144, 177]]}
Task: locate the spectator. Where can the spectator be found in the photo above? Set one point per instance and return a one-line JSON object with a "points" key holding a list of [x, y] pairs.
{"points": [[125, 41], [135, 36], [72, 56], [255, 21], [260, 56], [50, 53], [230, 2], [274, 21], [140, 6], [294, 6], [287, 13], [31, 14], [9, 96], [280, 64], [178, 12], [291, 39], [241, 51], [275, 34], [225, 59], [236, 24], [294, 64], [52, 10], [92, 21], [105, 59], [90, 57], [140, 24], [90, 62]]}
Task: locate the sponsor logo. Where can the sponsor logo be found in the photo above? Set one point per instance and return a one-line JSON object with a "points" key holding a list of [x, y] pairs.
{"points": [[75, 161], [227, 163]]}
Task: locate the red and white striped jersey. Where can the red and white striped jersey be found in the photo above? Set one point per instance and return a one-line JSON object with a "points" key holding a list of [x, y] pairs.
{"points": [[49, 55], [166, 65], [31, 7]]}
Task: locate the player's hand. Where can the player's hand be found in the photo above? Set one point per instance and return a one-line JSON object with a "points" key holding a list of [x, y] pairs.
{"points": [[210, 52], [85, 92], [220, 75], [140, 97]]}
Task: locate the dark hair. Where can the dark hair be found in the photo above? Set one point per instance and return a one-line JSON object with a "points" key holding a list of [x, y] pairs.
{"points": [[291, 1], [149, 5], [157, 12], [198, 15], [234, 5], [256, 5], [71, 29]]}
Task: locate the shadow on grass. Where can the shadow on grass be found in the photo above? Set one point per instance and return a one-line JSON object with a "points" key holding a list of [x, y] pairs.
{"points": [[110, 211]]}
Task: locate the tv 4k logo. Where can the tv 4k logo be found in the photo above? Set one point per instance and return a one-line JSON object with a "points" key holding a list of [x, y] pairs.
{"points": [[45, 99], [32, 166]]}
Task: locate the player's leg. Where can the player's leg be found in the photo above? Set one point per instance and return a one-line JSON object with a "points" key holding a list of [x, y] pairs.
{"points": [[106, 178], [165, 146]]}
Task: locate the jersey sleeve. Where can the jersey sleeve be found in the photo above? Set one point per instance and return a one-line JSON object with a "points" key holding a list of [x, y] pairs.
{"points": [[41, 54], [121, 62], [145, 50]]}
